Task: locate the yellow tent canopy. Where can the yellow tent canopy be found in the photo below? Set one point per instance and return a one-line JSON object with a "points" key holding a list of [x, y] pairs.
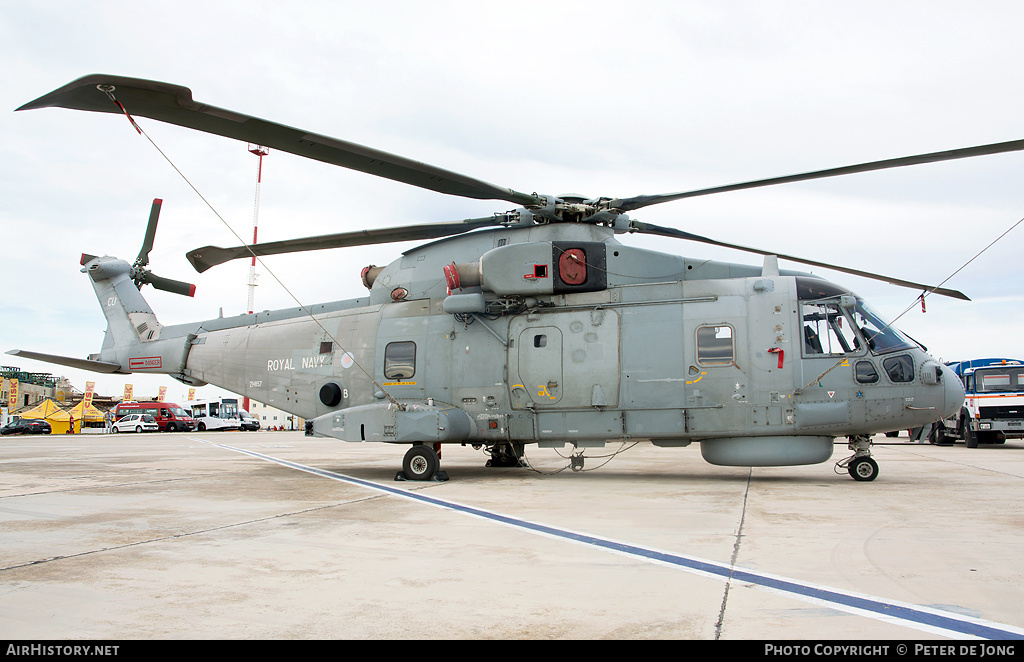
{"points": [[45, 409], [91, 414], [49, 411], [60, 419]]}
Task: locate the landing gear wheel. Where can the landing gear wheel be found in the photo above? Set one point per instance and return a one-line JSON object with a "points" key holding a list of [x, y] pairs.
{"points": [[420, 463], [860, 466], [863, 468]]}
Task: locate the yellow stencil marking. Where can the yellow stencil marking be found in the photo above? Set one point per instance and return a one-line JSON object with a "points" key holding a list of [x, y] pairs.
{"points": [[694, 381]]}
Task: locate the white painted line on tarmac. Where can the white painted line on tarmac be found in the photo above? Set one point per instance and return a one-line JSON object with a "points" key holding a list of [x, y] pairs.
{"points": [[934, 621]]}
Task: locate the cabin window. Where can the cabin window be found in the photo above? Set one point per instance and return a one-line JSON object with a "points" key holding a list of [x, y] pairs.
{"points": [[899, 368], [326, 347], [865, 372], [540, 340], [714, 345], [400, 360]]}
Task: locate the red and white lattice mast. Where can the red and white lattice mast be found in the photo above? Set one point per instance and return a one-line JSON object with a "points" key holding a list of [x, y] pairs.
{"points": [[259, 151]]}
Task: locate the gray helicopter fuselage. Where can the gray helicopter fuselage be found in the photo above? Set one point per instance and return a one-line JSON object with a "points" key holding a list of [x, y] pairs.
{"points": [[642, 346]]}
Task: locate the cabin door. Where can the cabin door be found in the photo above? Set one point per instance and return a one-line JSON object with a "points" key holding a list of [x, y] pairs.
{"points": [[566, 360]]}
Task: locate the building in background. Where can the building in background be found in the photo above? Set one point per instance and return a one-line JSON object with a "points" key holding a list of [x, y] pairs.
{"points": [[32, 387], [271, 418]]}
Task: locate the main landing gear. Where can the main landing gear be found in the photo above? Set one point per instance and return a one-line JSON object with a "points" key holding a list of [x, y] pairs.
{"points": [[860, 465], [422, 462], [506, 455]]}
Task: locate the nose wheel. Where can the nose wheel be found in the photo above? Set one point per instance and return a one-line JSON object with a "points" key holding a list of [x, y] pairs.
{"points": [[861, 466]]}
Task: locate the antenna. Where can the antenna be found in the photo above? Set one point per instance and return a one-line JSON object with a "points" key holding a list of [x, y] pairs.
{"points": [[259, 151]]}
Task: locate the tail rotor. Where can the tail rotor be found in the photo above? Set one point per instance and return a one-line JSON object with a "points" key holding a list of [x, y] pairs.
{"points": [[141, 275]]}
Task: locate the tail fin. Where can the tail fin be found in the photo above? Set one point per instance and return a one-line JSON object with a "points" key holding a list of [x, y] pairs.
{"points": [[131, 323], [133, 340], [130, 320]]}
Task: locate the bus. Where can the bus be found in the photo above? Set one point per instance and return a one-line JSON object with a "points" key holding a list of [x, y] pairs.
{"points": [[216, 414]]}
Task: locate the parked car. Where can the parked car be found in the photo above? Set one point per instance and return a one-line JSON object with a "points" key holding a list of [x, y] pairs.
{"points": [[249, 422], [26, 426], [136, 423], [169, 416]]}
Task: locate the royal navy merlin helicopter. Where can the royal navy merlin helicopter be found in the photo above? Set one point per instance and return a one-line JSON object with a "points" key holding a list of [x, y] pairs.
{"points": [[531, 326]]}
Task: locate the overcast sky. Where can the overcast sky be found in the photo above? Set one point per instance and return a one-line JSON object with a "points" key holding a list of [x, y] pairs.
{"points": [[600, 98]]}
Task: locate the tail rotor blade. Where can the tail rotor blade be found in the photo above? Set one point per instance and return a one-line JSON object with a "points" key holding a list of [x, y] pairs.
{"points": [[168, 285], [147, 243]]}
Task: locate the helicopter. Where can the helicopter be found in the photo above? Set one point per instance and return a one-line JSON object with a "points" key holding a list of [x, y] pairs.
{"points": [[531, 326]]}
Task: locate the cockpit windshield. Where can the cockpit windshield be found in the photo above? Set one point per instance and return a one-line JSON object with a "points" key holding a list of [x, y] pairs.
{"points": [[882, 337], [832, 326]]}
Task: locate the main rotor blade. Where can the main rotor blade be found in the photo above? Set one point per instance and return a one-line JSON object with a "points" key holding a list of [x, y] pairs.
{"points": [[173, 104], [210, 256], [649, 228], [629, 204], [147, 243]]}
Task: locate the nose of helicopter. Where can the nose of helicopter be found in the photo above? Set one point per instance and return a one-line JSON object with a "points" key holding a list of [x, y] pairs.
{"points": [[953, 398]]}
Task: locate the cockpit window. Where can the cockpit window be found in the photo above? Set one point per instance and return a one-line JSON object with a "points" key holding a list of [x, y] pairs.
{"points": [[826, 329], [816, 289], [899, 368], [865, 372]]}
